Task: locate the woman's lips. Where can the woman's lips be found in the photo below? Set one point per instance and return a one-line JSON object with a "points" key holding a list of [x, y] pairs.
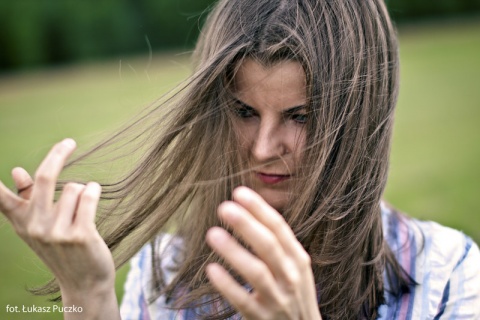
{"points": [[271, 178]]}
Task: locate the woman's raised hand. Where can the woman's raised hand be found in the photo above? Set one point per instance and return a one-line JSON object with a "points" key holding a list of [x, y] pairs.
{"points": [[279, 273], [63, 233]]}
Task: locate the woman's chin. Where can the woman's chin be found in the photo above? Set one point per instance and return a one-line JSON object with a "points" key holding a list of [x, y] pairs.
{"points": [[277, 199]]}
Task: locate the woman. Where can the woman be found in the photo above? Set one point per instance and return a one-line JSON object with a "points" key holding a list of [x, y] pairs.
{"points": [[269, 168]]}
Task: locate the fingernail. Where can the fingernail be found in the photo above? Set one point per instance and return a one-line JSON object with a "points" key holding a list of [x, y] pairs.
{"points": [[69, 143]]}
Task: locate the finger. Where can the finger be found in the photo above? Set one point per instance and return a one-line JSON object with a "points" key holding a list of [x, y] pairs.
{"points": [[87, 208], [261, 239], [226, 285], [23, 182], [9, 201], [269, 217], [67, 205], [47, 174], [252, 269]]}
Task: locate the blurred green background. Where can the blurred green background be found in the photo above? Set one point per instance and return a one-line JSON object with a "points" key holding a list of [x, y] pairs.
{"points": [[34, 33], [81, 69]]}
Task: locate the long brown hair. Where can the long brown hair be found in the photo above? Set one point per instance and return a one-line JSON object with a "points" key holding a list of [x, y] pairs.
{"points": [[190, 163]]}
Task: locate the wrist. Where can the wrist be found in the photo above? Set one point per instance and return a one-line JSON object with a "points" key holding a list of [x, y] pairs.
{"points": [[93, 304]]}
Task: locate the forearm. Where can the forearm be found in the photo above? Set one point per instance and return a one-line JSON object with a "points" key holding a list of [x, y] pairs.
{"points": [[101, 304]]}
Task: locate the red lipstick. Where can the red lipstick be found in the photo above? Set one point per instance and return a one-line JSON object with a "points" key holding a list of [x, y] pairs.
{"points": [[271, 178]]}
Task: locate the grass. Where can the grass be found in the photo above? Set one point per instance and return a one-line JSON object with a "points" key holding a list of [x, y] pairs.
{"points": [[435, 156], [434, 168]]}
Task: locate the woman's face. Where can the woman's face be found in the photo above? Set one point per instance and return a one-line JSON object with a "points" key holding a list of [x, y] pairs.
{"points": [[270, 120]]}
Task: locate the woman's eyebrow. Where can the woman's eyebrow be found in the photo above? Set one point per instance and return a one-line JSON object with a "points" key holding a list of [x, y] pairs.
{"points": [[286, 111], [294, 109], [243, 104]]}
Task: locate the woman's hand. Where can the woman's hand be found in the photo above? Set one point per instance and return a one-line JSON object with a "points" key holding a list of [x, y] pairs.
{"points": [[280, 273], [62, 234]]}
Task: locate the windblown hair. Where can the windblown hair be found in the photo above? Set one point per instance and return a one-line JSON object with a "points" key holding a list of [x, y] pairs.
{"points": [[191, 162]]}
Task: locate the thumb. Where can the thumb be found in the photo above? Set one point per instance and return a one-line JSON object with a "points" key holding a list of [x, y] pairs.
{"points": [[9, 201], [23, 182]]}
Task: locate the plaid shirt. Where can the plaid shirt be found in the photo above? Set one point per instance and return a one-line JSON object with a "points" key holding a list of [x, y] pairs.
{"points": [[444, 262]]}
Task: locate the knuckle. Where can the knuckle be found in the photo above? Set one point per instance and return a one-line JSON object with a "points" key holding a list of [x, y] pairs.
{"points": [[69, 238], [79, 238], [283, 305], [304, 259], [57, 236], [269, 243], [285, 229], [273, 314], [36, 233], [42, 177], [258, 274], [243, 303], [292, 280], [278, 223]]}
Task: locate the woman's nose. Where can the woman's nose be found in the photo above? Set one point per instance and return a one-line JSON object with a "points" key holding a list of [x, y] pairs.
{"points": [[267, 144]]}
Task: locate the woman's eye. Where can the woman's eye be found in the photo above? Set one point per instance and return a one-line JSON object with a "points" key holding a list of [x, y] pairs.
{"points": [[244, 112], [299, 118]]}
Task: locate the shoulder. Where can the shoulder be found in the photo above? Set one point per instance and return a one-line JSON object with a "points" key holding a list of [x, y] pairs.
{"points": [[444, 262], [413, 240]]}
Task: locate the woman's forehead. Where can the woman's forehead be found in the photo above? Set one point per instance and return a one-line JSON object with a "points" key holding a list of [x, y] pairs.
{"points": [[281, 84], [252, 75]]}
